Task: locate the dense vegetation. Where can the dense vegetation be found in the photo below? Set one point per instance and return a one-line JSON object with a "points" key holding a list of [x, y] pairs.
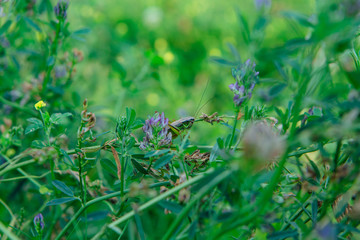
{"points": [[179, 119]]}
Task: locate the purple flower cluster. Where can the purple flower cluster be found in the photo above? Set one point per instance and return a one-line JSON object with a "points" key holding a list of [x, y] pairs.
{"points": [[246, 77], [156, 131], [259, 4], [39, 221], [61, 9]]}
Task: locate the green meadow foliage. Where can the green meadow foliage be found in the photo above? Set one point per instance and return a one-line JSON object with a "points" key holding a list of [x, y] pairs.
{"points": [[179, 119]]}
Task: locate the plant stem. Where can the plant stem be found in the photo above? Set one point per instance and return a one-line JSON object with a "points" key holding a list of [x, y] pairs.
{"points": [[19, 107], [156, 200], [200, 194], [7, 232], [122, 167], [234, 127], [53, 53], [97, 200], [337, 154], [36, 183], [16, 166]]}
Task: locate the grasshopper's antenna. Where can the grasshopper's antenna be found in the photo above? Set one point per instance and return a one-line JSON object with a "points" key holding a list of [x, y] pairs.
{"points": [[204, 105], [202, 97]]}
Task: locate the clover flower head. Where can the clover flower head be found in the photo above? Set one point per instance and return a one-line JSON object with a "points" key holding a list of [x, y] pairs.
{"points": [[156, 131], [245, 77], [61, 9], [39, 221], [39, 105]]}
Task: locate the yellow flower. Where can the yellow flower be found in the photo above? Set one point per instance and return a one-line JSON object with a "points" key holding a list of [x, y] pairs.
{"points": [[40, 104]]}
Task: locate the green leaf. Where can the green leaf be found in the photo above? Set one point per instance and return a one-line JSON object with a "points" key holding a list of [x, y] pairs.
{"points": [[317, 112], [314, 211], [33, 127], [172, 206], [260, 24], [32, 24], [277, 89], [67, 158], [139, 227], [34, 121], [220, 142], [156, 153], [313, 182], [5, 27], [109, 166], [229, 126], [234, 52], [163, 161], [137, 124], [214, 153], [38, 144], [190, 149], [245, 26], [205, 181], [354, 78], [282, 235], [82, 31], [138, 166], [222, 61], [96, 216], [56, 117], [316, 169], [50, 61], [130, 116], [61, 201], [157, 61], [62, 187], [299, 18]]}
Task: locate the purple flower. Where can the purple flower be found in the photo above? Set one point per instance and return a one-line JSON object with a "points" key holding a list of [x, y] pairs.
{"points": [[61, 9], [311, 113], [156, 131], [245, 79], [238, 100], [259, 4], [39, 221]]}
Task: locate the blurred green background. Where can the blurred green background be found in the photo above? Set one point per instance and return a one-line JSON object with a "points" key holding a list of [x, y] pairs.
{"points": [[155, 55]]}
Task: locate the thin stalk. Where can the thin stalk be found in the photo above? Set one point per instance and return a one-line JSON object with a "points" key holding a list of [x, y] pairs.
{"points": [[53, 53], [294, 217], [96, 148], [200, 194], [16, 166], [122, 168], [156, 200], [97, 200], [7, 232], [18, 107], [8, 209], [81, 157], [337, 154], [234, 127], [23, 177]]}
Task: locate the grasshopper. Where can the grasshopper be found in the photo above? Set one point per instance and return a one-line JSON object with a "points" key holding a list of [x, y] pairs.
{"points": [[179, 125], [186, 123]]}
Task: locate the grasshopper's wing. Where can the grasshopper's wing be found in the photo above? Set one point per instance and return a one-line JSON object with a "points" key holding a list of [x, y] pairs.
{"points": [[174, 130]]}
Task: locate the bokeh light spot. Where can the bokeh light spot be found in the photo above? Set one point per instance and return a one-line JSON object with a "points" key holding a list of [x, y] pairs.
{"points": [[152, 99]]}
